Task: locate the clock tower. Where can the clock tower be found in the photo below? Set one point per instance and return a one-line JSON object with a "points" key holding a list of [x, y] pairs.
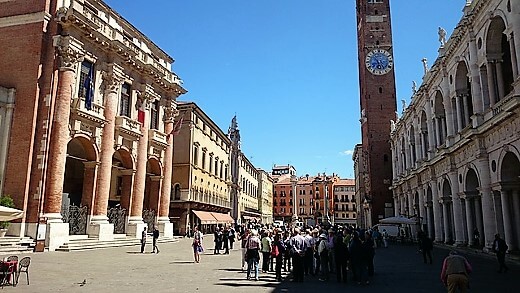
{"points": [[378, 105]]}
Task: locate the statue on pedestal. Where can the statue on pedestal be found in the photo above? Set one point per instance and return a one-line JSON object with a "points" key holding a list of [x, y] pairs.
{"points": [[442, 36]]}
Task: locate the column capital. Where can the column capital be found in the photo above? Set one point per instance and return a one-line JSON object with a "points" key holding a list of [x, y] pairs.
{"points": [[70, 52], [170, 112], [113, 78]]}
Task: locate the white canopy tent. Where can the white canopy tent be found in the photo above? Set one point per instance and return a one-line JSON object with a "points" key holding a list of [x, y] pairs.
{"points": [[9, 214], [398, 220]]}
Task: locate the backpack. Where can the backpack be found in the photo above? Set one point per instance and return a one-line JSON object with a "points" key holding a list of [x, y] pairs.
{"points": [[274, 251]]}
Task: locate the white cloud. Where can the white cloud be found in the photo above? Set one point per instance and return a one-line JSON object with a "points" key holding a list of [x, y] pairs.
{"points": [[347, 153]]}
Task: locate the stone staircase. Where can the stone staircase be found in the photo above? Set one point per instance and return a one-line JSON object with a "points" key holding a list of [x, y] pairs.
{"points": [[16, 245], [82, 242]]}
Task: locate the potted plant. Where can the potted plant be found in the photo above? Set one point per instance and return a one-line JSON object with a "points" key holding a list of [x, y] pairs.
{"points": [[6, 201]]}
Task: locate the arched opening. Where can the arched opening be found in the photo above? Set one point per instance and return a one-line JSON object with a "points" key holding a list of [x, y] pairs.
{"points": [[439, 119], [177, 192], [474, 219], [464, 100], [120, 189], [447, 205], [510, 198], [78, 184], [413, 150], [499, 65], [430, 221], [425, 141], [152, 191]]}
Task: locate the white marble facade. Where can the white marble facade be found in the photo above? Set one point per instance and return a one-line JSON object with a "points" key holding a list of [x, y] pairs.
{"points": [[456, 148]]}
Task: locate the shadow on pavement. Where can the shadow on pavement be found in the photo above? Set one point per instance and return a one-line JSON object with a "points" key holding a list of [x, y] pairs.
{"points": [[182, 262]]}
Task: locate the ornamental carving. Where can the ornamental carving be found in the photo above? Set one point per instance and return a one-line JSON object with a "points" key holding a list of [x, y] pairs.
{"points": [[112, 82], [69, 50], [169, 114]]}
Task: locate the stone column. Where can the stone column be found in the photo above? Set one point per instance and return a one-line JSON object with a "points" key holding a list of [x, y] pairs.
{"points": [[516, 215], [164, 225], [466, 110], [126, 191], [484, 85], [478, 218], [459, 113], [418, 147], [437, 213], [446, 213], [429, 221], [99, 226], [89, 185], [491, 83], [498, 216], [506, 214], [4, 142], [476, 91], [135, 221], [469, 220], [70, 53], [447, 104], [500, 80], [396, 203], [513, 40], [457, 209], [420, 211], [488, 208]]}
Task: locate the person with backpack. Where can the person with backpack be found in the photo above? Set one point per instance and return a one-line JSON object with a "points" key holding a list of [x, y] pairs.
{"points": [[266, 251], [277, 253], [323, 252], [500, 248]]}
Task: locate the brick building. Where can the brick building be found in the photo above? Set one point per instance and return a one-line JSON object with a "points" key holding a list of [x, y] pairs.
{"points": [[378, 104], [89, 103]]}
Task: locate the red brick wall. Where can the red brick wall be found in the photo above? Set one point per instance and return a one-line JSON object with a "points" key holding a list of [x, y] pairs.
{"points": [[26, 66]]}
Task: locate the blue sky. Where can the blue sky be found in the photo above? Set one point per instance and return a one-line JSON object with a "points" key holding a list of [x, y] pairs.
{"points": [[287, 68]]}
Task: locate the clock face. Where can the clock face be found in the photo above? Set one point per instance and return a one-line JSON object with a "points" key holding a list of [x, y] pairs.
{"points": [[379, 62]]}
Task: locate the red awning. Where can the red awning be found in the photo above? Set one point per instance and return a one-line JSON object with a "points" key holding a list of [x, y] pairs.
{"points": [[223, 218], [205, 217]]}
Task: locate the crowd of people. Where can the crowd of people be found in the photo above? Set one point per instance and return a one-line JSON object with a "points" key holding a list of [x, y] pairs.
{"points": [[320, 251], [346, 252]]}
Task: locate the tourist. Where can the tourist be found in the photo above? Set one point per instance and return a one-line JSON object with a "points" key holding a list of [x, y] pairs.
{"points": [[243, 244], [143, 240], [252, 254], [369, 253], [385, 238], [218, 240], [323, 252], [197, 244], [308, 267], [455, 272], [297, 252], [232, 233], [280, 247], [330, 243], [287, 255], [155, 236], [500, 248], [266, 251], [426, 246], [225, 240], [341, 256]]}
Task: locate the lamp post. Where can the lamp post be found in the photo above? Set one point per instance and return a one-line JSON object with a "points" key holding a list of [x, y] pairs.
{"points": [[294, 218]]}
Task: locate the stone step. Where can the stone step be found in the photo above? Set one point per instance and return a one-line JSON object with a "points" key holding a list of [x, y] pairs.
{"points": [[92, 243], [10, 245]]}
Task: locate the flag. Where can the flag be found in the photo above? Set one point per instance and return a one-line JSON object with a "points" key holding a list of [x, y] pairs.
{"points": [[141, 111], [88, 85], [177, 127]]}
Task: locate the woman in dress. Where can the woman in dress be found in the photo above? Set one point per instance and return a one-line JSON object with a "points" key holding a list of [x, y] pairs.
{"points": [[197, 244]]}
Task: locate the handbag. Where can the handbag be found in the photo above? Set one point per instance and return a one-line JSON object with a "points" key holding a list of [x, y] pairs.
{"points": [[274, 251]]}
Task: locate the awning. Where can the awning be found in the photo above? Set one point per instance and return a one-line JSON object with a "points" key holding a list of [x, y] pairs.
{"points": [[9, 214], [205, 217], [250, 218], [223, 218], [398, 220]]}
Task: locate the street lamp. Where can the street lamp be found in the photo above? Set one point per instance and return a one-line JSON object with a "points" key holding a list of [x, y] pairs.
{"points": [[294, 180]]}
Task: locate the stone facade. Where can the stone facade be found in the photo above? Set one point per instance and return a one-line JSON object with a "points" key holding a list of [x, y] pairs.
{"points": [[456, 148], [345, 210], [95, 101], [265, 198], [201, 172]]}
